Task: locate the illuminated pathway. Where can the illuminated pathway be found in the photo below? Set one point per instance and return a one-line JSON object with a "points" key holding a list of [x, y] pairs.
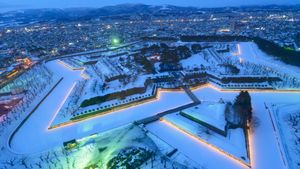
{"points": [[265, 152], [34, 128], [191, 147], [39, 138]]}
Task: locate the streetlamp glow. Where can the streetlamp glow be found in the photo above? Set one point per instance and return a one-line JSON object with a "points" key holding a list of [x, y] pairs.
{"points": [[115, 41]]}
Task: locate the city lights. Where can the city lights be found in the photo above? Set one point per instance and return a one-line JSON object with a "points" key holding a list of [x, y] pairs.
{"points": [[124, 85]]}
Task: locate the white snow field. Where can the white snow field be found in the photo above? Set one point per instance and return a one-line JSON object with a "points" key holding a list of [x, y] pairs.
{"points": [[192, 148], [263, 141], [41, 118], [264, 147], [286, 118], [250, 52], [39, 138], [233, 145], [211, 113], [266, 150]]}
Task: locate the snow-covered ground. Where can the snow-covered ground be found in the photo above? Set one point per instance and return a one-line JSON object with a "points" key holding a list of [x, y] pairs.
{"points": [[39, 138], [195, 61], [43, 139], [251, 53], [42, 117], [263, 142], [96, 150], [287, 122], [265, 147], [210, 113], [234, 144], [114, 86], [192, 148]]}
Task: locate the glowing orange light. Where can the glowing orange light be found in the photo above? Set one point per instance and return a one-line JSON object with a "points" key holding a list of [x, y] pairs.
{"points": [[212, 147]]}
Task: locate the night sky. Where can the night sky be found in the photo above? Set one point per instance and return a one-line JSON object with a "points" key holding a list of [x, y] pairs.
{"points": [[20, 4]]}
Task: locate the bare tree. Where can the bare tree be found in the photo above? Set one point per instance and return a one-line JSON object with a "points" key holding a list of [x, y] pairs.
{"points": [[24, 162], [11, 162]]}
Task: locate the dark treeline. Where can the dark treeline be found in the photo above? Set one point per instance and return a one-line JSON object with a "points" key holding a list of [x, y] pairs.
{"points": [[117, 95], [288, 56], [225, 80], [214, 38], [112, 96], [298, 39], [159, 38]]}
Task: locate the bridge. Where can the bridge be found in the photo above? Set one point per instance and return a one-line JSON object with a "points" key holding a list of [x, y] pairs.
{"points": [[161, 114]]}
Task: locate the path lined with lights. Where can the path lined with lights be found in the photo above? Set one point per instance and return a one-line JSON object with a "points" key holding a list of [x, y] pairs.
{"points": [[40, 138], [262, 141], [192, 147], [86, 128], [278, 139], [202, 141], [34, 129]]}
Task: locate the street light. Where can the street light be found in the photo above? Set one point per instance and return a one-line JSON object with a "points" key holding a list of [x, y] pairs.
{"points": [[115, 41]]}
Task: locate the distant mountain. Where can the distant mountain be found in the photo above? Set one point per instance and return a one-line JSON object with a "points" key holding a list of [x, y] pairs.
{"points": [[71, 14], [77, 14]]}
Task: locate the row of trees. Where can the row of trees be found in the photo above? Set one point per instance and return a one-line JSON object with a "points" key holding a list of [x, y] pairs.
{"points": [[293, 121], [73, 101], [33, 83], [288, 56], [116, 95]]}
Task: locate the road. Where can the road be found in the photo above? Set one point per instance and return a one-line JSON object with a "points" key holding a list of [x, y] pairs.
{"points": [[161, 114]]}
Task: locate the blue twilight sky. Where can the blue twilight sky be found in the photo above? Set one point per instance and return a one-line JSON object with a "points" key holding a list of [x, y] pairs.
{"points": [[20, 4]]}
